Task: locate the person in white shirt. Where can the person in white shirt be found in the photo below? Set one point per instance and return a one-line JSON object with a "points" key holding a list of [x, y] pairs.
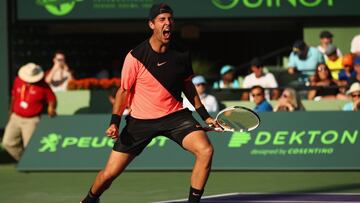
{"points": [[209, 101], [60, 74], [355, 45], [326, 39], [260, 78]]}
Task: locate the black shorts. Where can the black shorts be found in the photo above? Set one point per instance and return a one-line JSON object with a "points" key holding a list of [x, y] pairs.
{"points": [[138, 133]]}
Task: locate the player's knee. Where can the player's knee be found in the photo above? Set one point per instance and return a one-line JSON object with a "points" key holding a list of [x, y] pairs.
{"points": [[206, 151]]}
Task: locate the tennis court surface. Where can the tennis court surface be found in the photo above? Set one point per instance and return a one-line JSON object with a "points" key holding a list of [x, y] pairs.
{"points": [[276, 198], [168, 186]]}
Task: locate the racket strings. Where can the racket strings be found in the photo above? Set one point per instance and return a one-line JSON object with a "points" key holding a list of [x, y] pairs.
{"points": [[238, 119]]}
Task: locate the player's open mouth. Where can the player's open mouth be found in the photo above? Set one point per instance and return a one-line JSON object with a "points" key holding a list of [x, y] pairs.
{"points": [[166, 33]]}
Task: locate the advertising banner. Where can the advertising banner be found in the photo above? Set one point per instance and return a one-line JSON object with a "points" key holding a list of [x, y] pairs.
{"points": [[294, 141], [138, 9]]}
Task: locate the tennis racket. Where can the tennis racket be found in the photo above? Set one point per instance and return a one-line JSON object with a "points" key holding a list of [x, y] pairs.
{"points": [[236, 119]]}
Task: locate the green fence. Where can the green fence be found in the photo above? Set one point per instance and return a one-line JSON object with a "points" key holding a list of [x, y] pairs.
{"points": [[316, 140]]}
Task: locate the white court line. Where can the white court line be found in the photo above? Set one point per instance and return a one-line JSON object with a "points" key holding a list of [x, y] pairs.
{"points": [[267, 201], [282, 193], [205, 197], [279, 201]]}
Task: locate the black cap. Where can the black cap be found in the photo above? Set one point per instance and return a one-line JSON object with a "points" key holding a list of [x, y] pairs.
{"points": [[299, 44], [326, 34], [157, 9], [256, 62]]}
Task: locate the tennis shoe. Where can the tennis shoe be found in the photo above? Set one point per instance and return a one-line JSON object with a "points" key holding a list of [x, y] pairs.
{"points": [[90, 201]]}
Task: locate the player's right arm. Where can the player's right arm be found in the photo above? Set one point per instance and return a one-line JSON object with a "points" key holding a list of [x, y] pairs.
{"points": [[119, 107], [128, 78]]}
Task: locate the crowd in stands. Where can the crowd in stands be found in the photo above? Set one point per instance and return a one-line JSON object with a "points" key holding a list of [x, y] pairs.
{"points": [[323, 70]]}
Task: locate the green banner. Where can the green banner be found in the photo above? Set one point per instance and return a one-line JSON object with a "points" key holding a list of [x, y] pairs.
{"points": [[301, 140], [138, 9]]}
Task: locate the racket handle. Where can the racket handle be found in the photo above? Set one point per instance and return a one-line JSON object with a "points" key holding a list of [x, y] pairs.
{"points": [[212, 128], [218, 129]]}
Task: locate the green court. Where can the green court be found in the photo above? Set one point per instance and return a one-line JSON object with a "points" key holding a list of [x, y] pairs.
{"points": [[138, 187]]}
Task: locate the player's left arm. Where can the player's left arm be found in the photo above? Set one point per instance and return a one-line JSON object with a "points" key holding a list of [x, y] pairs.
{"points": [[194, 99]]}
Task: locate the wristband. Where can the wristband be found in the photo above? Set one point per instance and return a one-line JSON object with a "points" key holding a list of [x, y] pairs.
{"points": [[115, 119], [203, 113]]}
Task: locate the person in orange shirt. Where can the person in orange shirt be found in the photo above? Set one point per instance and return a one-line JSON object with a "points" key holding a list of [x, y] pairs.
{"points": [[154, 75]]}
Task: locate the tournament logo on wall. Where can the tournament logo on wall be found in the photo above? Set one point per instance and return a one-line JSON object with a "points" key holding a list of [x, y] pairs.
{"points": [[225, 5], [58, 7]]}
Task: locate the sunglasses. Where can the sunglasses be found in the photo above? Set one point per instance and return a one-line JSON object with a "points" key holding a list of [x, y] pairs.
{"points": [[355, 95], [285, 95], [257, 95], [322, 69]]}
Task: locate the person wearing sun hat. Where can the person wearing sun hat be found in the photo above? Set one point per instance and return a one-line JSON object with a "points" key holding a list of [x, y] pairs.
{"points": [[28, 95], [228, 79], [354, 93]]}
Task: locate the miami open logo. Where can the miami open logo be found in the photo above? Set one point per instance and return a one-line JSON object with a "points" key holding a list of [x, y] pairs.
{"points": [[225, 4], [58, 7]]}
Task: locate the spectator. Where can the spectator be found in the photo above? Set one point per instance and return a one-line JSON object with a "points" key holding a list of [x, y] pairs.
{"points": [[262, 105], [59, 75], [325, 86], [354, 92], [348, 71], [209, 101], [333, 61], [28, 95], [228, 79], [289, 101], [304, 59], [355, 45], [356, 77], [326, 39], [259, 77]]}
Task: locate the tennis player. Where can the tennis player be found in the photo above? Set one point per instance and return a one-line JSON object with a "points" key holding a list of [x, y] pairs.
{"points": [[153, 77]]}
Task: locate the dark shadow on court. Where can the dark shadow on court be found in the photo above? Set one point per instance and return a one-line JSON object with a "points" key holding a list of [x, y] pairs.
{"points": [[5, 157], [329, 189], [323, 194]]}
